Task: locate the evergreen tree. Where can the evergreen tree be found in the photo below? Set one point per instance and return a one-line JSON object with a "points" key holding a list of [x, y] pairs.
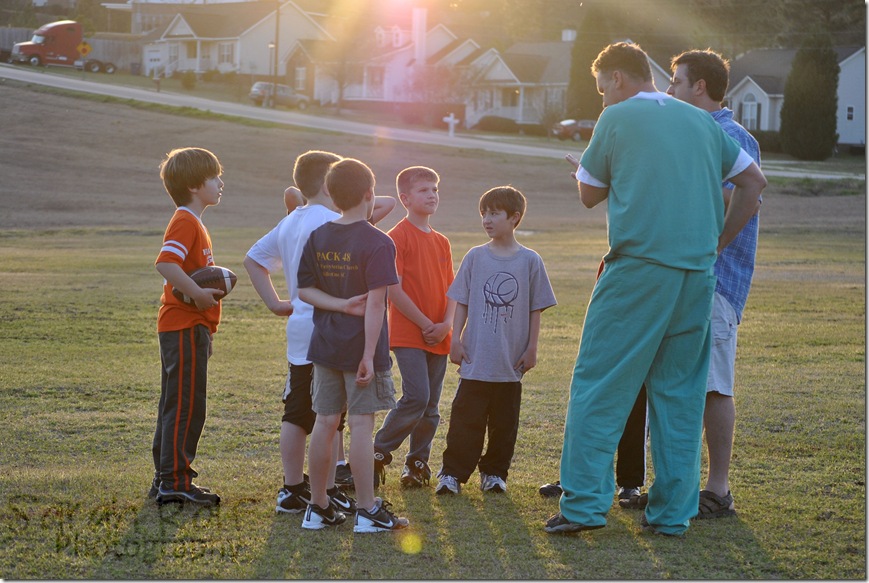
{"points": [[808, 115], [583, 100]]}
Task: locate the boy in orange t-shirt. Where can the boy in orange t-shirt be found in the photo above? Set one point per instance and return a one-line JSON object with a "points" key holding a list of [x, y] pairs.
{"points": [[191, 176], [420, 324]]}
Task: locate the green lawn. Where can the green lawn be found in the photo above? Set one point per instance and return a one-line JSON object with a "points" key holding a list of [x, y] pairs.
{"points": [[80, 382]]}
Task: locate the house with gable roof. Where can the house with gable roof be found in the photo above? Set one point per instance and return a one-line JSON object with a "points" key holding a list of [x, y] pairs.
{"points": [[402, 61], [757, 83], [229, 37]]}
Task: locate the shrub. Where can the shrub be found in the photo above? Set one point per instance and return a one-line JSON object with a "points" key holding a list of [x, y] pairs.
{"points": [[808, 115], [768, 141], [494, 123]]}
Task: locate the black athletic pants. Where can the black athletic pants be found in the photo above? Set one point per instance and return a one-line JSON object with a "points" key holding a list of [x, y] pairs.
{"points": [[479, 408], [181, 412], [631, 459]]}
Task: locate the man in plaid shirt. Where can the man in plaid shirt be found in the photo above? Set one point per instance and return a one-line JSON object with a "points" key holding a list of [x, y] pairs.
{"points": [[700, 78]]}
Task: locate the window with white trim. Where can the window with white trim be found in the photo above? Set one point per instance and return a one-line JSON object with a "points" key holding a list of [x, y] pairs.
{"points": [[300, 78]]}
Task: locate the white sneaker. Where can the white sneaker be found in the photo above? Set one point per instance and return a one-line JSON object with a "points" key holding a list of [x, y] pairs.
{"points": [[447, 485], [381, 520], [492, 483], [317, 518]]}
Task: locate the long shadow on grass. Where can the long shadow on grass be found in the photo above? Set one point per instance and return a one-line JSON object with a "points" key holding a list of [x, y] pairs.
{"points": [[147, 540], [711, 549], [470, 536]]}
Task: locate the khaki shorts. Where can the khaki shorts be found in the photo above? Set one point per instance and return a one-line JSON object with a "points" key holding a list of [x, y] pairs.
{"points": [[335, 391], [722, 357]]}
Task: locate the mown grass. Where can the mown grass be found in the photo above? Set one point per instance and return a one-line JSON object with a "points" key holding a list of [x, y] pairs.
{"points": [[80, 383]]}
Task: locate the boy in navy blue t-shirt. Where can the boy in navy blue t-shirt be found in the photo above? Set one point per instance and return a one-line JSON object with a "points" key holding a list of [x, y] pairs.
{"points": [[352, 369]]}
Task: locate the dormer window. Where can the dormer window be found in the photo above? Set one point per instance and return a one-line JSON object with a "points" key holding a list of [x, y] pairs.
{"points": [[380, 37], [396, 36]]}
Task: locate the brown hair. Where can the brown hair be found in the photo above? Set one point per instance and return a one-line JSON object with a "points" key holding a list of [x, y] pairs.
{"points": [[407, 177], [348, 180], [628, 58], [707, 65], [186, 168], [504, 198], [309, 171]]}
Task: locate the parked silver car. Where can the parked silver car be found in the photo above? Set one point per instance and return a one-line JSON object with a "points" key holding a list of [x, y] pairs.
{"points": [[285, 95]]}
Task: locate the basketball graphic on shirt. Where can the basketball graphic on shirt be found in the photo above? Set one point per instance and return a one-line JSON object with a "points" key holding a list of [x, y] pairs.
{"points": [[499, 293]]}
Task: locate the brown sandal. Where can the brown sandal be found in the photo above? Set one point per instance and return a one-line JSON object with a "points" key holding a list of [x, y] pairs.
{"points": [[714, 506]]}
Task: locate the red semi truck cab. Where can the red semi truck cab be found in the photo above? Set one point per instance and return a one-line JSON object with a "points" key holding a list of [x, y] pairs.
{"points": [[58, 43]]}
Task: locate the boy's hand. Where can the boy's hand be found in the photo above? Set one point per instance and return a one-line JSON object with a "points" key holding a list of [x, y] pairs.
{"points": [[457, 353], [207, 298], [365, 372], [282, 308], [527, 361], [355, 306], [435, 333]]}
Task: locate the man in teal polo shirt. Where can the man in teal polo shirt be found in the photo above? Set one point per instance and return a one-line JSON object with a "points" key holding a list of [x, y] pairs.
{"points": [[659, 163]]}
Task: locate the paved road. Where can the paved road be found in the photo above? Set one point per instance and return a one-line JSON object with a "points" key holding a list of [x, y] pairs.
{"points": [[436, 137]]}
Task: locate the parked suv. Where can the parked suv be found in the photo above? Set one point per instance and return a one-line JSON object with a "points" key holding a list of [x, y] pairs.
{"points": [[285, 95], [575, 130]]}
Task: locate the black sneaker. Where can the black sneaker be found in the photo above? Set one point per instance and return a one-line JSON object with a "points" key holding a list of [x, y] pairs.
{"points": [[317, 518], [416, 474], [380, 520], [155, 488], [631, 498], [381, 460], [196, 495], [343, 476], [341, 501], [558, 524], [644, 524], [295, 500], [551, 490]]}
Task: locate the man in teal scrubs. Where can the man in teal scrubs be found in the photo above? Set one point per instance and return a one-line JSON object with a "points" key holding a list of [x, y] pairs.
{"points": [[659, 163]]}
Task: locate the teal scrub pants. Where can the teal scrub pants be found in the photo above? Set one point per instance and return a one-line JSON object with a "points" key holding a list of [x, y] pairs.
{"points": [[645, 323]]}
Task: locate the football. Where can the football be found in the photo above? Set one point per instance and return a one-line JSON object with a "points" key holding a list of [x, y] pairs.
{"points": [[212, 277]]}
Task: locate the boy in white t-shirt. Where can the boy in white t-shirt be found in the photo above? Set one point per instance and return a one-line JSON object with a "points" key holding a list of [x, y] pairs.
{"points": [[281, 248]]}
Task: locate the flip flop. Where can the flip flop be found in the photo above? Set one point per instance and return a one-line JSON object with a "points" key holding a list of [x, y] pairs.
{"points": [[714, 506]]}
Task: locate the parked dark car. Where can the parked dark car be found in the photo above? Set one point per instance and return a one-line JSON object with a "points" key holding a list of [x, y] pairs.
{"points": [[573, 129], [285, 96]]}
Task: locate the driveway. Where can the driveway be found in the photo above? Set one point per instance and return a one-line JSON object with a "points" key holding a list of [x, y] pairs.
{"points": [[339, 125]]}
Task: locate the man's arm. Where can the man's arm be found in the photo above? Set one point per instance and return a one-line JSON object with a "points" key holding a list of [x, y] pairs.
{"points": [[744, 201], [727, 192], [589, 194], [374, 310], [262, 283]]}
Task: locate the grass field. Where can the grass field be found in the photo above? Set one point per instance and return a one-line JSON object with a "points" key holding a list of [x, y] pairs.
{"points": [[81, 376]]}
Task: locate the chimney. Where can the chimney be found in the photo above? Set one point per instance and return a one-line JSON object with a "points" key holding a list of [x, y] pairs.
{"points": [[418, 32]]}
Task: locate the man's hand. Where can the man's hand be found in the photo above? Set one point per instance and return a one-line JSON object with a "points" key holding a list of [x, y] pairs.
{"points": [[574, 162]]}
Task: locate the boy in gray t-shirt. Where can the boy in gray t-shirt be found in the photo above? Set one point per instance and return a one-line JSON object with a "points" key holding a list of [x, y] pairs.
{"points": [[500, 290]]}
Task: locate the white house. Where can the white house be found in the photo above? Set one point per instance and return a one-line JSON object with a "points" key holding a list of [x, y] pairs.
{"points": [[757, 82], [242, 37]]}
